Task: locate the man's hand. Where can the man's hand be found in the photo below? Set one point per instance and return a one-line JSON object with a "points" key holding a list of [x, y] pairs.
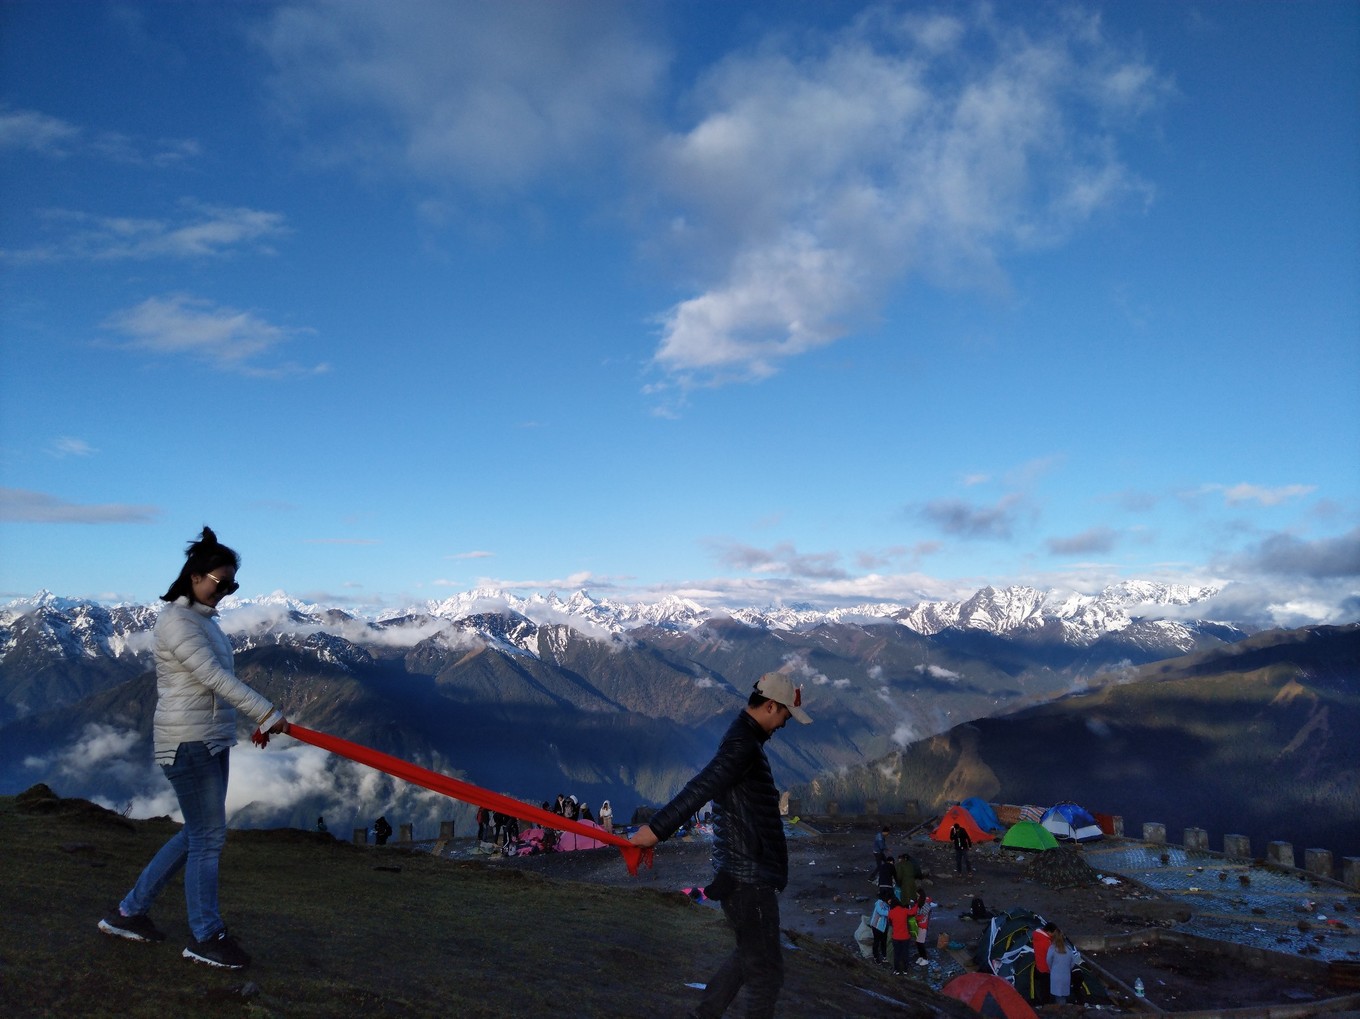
{"points": [[644, 837], [280, 726]]}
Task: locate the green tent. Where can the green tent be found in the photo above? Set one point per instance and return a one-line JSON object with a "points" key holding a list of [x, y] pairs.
{"points": [[1029, 835]]}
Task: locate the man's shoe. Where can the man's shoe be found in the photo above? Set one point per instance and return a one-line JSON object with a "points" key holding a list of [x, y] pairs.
{"points": [[220, 950], [923, 962], [134, 928]]}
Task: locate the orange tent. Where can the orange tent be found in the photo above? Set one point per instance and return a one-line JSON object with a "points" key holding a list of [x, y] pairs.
{"points": [[959, 814], [990, 995]]}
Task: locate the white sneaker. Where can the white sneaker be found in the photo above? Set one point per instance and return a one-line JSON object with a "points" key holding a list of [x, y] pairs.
{"points": [[923, 962]]}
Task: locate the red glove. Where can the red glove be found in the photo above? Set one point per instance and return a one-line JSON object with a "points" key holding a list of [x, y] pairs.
{"points": [[260, 739]]}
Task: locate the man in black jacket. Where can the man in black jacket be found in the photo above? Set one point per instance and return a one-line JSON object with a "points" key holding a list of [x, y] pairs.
{"points": [[750, 858]]}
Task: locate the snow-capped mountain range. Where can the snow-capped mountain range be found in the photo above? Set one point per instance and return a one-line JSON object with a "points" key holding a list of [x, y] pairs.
{"points": [[72, 628]]}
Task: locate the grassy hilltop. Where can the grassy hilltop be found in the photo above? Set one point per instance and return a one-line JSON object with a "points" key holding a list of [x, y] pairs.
{"points": [[340, 930]]}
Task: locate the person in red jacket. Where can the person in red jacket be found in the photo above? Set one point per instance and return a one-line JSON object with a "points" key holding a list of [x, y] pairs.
{"points": [[903, 921], [1041, 939]]}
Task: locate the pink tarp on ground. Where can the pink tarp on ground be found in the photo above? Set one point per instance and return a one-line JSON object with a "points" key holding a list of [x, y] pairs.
{"points": [[566, 840]]}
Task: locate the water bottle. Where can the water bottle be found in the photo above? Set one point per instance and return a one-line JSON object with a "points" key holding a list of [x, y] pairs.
{"points": [[1138, 986]]}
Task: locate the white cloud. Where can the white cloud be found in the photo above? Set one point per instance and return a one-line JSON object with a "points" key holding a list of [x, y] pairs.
{"points": [[224, 337], [18, 505], [31, 131], [201, 231], [1235, 495], [69, 445], [484, 95], [42, 134], [817, 174], [938, 672]]}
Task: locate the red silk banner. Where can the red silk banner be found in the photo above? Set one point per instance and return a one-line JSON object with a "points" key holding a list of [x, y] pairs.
{"points": [[468, 793]]}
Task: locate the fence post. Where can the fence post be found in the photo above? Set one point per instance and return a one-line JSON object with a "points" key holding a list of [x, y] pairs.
{"points": [[1281, 853], [1196, 838], [1350, 871], [404, 831], [360, 836], [446, 829], [1155, 832], [1318, 861], [1237, 847]]}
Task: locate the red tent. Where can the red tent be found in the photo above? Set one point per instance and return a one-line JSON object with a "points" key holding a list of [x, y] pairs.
{"points": [[959, 814], [990, 995]]}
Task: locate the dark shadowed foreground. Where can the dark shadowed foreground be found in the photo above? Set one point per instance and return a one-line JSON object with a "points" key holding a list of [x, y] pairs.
{"points": [[340, 930]]}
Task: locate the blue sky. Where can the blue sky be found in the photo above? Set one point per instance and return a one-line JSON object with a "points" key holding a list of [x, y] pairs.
{"points": [[753, 303]]}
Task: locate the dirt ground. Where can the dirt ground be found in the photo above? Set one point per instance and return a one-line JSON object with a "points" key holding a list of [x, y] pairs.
{"points": [[830, 889]]}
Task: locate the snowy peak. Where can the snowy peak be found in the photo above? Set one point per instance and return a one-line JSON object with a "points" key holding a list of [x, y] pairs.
{"points": [[70, 628]]}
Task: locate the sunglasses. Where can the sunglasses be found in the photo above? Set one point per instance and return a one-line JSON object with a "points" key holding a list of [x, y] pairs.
{"points": [[224, 587]]}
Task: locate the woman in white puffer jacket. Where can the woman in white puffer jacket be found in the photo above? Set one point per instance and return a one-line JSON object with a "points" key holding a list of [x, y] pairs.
{"points": [[197, 700]]}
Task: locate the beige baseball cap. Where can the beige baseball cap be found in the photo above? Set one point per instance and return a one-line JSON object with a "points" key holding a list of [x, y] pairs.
{"points": [[780, 689]]}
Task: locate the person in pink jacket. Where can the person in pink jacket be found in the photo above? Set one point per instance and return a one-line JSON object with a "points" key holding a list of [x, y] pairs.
{"points": [[197, 699]]}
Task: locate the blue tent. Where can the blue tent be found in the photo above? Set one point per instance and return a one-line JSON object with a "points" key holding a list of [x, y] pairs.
{"points": [[983, 814], [1069, 821]]}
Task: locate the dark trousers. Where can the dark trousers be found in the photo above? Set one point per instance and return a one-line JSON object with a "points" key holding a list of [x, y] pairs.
{"points": [[757, 963], [900, 950], [880, 946], [961, 861]]}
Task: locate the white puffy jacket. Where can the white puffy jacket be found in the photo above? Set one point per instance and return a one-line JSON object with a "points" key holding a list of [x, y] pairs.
{"points": [[197, 692]]}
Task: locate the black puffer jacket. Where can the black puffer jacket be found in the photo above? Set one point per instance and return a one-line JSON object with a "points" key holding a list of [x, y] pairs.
{"points": [[748, 840]]}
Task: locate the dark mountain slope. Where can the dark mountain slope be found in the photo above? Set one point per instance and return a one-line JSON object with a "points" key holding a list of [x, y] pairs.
{"points": [[1259, 742]]}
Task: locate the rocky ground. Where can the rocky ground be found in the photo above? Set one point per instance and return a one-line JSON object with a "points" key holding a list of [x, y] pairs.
{"points": [[830, 889]]}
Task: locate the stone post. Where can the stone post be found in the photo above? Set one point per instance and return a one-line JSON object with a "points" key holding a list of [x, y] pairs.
{"points": [[1196, 838], [360, 837], [832, 808], [446, 829], [1237, 847], [1117, 825], [1318, 861], [1350, 872], [1281, 853], [1154, 832], [871, 807], [404, 832]]}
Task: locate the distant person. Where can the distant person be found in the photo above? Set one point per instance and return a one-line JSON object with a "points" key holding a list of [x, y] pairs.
{"points": [[483, 823], [908, 872], [750, 855], [321, 824], [962, 841], [1041, 940], [382, 831], [901, 918], [878, 922], [880, 847], [560, 806], [606, 816], [194, 729], [586, 815], [887, 877], [1061, 959]]}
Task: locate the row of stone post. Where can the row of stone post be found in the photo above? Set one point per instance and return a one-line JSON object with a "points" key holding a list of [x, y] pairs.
{"points": [[405, 833], [1238, 847]]}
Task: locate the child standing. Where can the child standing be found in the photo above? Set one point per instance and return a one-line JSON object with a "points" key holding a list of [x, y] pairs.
{"points": [[924, 905], [878, 922]]}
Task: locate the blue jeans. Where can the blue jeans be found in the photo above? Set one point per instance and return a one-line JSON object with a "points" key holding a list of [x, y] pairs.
{"points": [[200, 783], [758, 960]]}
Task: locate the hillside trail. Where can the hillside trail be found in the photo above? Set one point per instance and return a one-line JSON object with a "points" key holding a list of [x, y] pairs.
{"points": [[830, 889]]}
